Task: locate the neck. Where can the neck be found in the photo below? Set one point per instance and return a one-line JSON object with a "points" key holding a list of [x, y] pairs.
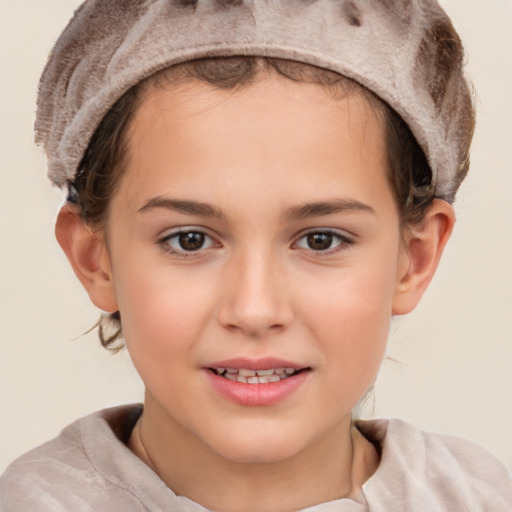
{"points": [[333, 467]]}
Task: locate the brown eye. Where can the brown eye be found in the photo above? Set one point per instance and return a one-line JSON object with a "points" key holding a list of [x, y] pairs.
{"points": [[319, 241], [323, 241], [183, 242], [191, 241]]}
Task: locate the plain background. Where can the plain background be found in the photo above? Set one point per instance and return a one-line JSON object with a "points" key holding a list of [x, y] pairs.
{"points": [[454, 369]]}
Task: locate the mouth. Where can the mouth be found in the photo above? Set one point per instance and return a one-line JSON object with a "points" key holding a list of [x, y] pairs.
{"points": [[248, 376], [257, 382]]}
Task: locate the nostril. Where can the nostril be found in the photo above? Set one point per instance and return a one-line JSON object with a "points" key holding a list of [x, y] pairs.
{"points": [[233, 327], [254, 330]]}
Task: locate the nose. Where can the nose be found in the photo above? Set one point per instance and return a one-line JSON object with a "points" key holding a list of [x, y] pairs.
{"points": [[255, 300]]}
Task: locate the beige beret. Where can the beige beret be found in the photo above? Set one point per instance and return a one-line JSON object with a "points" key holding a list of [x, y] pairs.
{"points": [[402, 50]]}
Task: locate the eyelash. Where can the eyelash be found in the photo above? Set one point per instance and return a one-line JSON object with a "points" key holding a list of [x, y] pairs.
{"points": [[183, 253], [343, 242]]}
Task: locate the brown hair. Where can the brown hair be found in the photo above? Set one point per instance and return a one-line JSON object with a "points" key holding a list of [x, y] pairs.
{"points": [[104, 161]]}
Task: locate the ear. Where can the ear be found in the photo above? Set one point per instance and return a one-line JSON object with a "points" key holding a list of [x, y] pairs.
{"points": [[423, 246], [87, 252]]}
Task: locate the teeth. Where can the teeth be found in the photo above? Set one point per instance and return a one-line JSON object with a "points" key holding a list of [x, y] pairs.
{"points": [[261, 373], [255, 376], [265, 379], [246, 373]]}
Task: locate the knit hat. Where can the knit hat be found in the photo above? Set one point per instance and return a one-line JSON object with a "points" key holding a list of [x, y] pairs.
{"points": [[404, 51]]}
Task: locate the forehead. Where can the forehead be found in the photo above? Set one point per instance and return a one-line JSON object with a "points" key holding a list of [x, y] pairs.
{"points": [[192, 134]]}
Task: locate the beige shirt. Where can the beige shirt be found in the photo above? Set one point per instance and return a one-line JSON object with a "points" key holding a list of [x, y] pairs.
{"points": [[89, 468]]}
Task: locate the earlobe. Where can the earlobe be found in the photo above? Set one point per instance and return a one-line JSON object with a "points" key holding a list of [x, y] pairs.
{"points": [[88, 255], [423, 247]]}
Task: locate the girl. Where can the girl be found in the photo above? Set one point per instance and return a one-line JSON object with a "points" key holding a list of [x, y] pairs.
{"points": [[254, 190]]}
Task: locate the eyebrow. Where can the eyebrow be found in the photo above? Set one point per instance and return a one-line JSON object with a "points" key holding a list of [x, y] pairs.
{"points": [[182, 206], [316, 209], [321, 208]]}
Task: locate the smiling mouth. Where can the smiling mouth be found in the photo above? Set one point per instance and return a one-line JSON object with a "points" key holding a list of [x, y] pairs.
{"points": [[257, 376]]}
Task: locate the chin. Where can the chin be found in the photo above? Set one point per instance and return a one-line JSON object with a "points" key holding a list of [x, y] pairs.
{"points": [[257, 446], [261, 454]]}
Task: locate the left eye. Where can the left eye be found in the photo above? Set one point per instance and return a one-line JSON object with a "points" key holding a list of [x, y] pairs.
{"points": [[321, 241], [188, 241]]}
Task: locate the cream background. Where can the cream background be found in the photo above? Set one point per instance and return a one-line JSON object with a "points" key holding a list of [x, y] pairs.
{"points": [[455, 352]]}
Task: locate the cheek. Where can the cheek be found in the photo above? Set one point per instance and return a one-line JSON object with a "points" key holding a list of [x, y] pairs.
{"points": [[162, 313], [355, 302], [350, 316], [356, 327]]}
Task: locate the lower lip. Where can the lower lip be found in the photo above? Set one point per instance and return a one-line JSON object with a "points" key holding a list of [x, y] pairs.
{"points": [[257, 395]]}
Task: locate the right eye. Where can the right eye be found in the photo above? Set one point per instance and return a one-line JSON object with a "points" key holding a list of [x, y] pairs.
{"points": [[186, 241]]}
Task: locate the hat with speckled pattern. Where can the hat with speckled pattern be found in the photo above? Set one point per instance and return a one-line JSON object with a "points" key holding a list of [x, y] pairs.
{"points": [[404, 51]]}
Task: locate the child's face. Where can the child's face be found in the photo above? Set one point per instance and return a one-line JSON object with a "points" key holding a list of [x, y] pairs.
{"points": [[292, 259]]}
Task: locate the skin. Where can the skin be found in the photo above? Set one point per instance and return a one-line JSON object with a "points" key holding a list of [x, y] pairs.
{"points": [[256, 289]]}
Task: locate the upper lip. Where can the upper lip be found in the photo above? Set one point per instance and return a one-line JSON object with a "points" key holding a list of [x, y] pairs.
{"points": [[265, 363]]}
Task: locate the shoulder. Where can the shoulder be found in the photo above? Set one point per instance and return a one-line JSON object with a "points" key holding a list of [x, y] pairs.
{"points": [[61, 475], [447, 472]]}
